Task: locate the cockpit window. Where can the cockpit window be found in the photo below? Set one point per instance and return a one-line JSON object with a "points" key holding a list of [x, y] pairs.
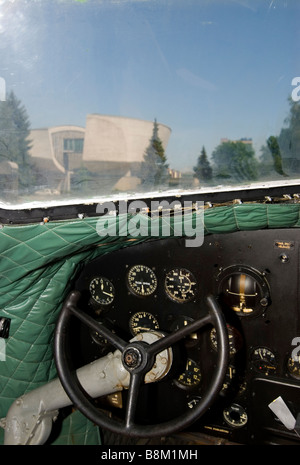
{"points": [[116, 98]]}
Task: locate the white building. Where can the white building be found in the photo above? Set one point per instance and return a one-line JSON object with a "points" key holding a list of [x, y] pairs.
{"points": [[109, 147]]}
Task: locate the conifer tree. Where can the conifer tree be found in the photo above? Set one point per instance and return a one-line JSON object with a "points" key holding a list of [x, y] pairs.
{"points": [[275, 152], [154, 168], [14, 142], [203, 170]]}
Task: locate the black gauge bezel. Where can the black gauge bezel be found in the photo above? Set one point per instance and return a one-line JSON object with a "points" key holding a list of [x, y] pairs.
{"points": [[133, 290], [143, 314], [262, 283], [288, 370], [243, 418], [189, 387], [236, 335], [175, 298], [101, 302], [252, 361]]}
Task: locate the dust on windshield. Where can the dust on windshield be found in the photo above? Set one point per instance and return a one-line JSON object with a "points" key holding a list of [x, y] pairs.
{"points": [[122, 97]]}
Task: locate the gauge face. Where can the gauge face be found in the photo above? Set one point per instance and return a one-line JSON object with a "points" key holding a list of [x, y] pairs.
{"points": [[235, 341], [142, 280], [142, 321], [191, 377], [235, 415], [264, 360], [102, 290], [244, 290], [180, 285], [242, 293], [293, 366], [99, 339]]}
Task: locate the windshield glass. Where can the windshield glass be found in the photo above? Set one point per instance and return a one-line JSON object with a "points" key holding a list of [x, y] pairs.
{"points": [[122, 97]]}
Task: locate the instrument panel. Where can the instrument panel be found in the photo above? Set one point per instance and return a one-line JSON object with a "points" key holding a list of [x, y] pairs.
{"points": [[162, 285]]}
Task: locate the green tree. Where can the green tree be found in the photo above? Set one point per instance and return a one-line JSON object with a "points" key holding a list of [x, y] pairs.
{"points": [[203, 170], [14, 142], [266, 165], [154, 167], [235, 160], [282, 153], [289, 138], [276, 154]]}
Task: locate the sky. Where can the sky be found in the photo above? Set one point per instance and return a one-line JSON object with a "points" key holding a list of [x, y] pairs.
{"points": [[208, 69]]}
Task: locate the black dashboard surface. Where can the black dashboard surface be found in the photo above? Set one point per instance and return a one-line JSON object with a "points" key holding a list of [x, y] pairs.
{"points": [[162, 285]]}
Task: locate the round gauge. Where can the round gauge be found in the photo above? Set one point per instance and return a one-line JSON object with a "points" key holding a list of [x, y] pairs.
{"points": [[243, 290], [142, 321], [98, 338], [180, 285], [235, 415], [191, 376], [293, 365], [264, 360], [142, 280], [235, 341], [102, 290]]}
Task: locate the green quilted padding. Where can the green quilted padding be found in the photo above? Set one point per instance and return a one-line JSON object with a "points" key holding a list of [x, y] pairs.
{"points": [[36, 275], [39, 261], [251, 217]]}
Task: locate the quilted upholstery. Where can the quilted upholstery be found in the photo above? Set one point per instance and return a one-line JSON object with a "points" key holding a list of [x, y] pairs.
{"points": [[38, 263]]}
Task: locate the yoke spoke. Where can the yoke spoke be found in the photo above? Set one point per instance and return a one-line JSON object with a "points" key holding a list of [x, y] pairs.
{"points": [[115, 340], [135, 382], [138, 366], [174, 337]]}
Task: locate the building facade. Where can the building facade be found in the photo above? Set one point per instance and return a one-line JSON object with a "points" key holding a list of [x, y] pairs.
{"points": [[109, 149]]}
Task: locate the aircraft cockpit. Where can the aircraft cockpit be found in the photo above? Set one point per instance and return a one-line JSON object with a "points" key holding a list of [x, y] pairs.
{"points": [[149, 224]]}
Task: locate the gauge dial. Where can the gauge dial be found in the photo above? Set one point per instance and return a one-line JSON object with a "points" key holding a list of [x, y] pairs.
{"points": [[142, 321], [191, 377], [235, 415], [98, 338], [180, 285], [102, 290], [293, 365], [264, 360], [142, 280], [243, 290], [234, 339]]}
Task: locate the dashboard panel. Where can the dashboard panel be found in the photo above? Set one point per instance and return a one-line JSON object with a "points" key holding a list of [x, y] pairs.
{"points": [[162, 285]]}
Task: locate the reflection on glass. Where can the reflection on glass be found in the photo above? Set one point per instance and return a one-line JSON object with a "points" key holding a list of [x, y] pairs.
{"points": [[100, 98]]}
